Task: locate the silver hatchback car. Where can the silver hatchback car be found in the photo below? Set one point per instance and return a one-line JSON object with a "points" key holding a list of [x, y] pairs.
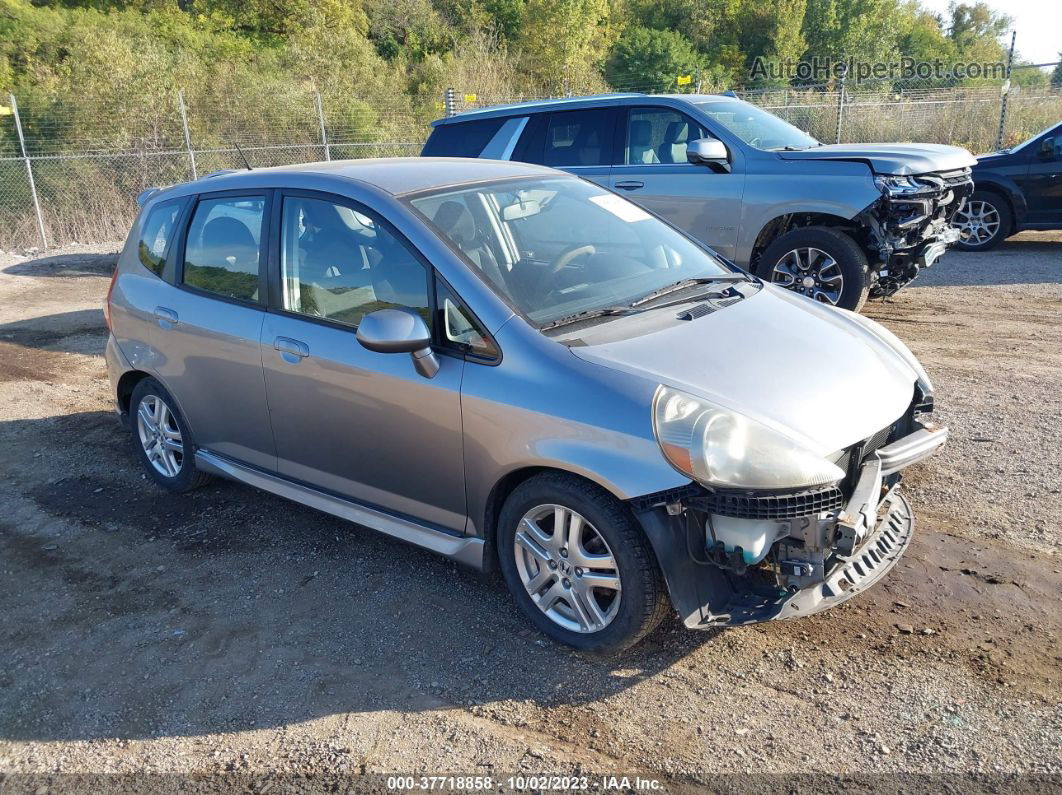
{"points": [[519, 369]]}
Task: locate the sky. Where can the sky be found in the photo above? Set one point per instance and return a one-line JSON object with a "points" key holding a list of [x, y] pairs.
{"points": [[1037, 22]]}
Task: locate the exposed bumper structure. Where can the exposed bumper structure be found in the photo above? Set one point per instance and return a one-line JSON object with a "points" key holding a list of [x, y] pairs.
{"points": [[819, 559], [912, 448]]}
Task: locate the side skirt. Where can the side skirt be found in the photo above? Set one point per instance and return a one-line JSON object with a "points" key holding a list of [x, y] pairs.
{"points": [[461, 549]]}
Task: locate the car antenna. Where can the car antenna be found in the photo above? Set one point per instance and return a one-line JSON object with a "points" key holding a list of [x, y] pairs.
{"points": [[243, 157]]}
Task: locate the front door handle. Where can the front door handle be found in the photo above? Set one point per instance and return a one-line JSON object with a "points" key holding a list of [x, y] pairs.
{"points": [[166, 318], [630, 184], [291, 350]]}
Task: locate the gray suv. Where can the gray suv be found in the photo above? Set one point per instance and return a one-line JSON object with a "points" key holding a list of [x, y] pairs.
{"points": [[520, 370], [836, 223]]}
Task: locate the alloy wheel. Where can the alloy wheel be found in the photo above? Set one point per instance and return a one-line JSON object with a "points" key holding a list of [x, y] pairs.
{"points": [[160, 436], [811, 272], [977, 222], [567, 568]]}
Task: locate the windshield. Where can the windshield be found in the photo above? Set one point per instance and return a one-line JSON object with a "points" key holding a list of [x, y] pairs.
{"points": [[557, 247], [757, 127]]}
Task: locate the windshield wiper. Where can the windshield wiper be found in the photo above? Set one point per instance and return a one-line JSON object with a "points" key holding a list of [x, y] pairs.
{"points": [[589, 314], [682, 285]]}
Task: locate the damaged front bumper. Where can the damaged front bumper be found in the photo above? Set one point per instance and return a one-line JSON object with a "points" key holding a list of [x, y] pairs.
{"points": [[825, 551], [910, 226]]}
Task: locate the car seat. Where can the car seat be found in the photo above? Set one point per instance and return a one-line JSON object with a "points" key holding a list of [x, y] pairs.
{"points": [[640, 149]]}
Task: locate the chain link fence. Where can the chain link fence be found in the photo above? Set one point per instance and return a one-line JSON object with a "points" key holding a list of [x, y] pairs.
{"points": [[74, 172]]}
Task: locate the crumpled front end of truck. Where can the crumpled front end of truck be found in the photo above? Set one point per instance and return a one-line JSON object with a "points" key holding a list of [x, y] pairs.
{"points": [[909, 227]]}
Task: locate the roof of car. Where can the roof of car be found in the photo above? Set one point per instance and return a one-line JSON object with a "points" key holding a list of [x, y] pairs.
{"points": [[396, 175], [573, 103]]}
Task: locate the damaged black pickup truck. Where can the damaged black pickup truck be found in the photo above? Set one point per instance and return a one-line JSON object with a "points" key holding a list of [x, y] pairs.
{"points": [[837, 223]]}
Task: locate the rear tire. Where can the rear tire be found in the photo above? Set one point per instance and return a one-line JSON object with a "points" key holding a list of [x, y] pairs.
{"points": [[161, 439], [544, 574], [984, 221], [821, 263]]}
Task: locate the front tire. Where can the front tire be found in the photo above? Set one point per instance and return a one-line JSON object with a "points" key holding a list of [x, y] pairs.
{"points": [[578, 565], [161, 438], [821, 263], [983, 222]]}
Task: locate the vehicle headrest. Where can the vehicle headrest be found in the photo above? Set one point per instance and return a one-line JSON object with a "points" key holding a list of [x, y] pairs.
{"points": [[676, 133], [456, 221], [641, 132], [227, 233]]}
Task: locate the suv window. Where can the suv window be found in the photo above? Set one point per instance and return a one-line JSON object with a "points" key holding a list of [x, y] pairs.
{"points": [[659, 135], [341, 264], [222, 252], [466, 139], [579, 138], [156, 235]]}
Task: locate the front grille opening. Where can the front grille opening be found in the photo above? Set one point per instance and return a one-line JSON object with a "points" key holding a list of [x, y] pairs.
{"points": [[772, 506]]}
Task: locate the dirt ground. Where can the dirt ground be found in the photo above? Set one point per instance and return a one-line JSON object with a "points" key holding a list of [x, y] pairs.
{"points": [[230, 632]]}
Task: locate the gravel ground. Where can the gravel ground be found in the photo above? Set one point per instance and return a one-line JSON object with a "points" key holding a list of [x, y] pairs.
{"points": [[227, 632]]}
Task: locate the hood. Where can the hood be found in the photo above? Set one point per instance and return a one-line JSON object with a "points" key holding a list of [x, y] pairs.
{"points": [[806, 369], [900, 159]]}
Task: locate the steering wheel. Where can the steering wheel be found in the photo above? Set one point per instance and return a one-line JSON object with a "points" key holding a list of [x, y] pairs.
{"points": [[755, 143], [569, 254]]}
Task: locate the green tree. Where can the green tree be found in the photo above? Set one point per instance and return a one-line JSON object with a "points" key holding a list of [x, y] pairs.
{"points": [[1056, 75], [565, 40], [651, 60]]}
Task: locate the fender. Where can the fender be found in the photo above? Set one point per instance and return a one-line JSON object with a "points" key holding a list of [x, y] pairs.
{"points": [[1009, 189]]}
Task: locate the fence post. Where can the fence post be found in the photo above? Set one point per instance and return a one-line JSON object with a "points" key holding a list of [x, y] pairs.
{"points": [[448, 102], [840, 102], [1006, 93], [320, 118], [29, 172], [187, 135]]}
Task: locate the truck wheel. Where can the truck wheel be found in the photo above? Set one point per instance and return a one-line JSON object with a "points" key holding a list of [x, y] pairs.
{"points": [[578, 564], [822, 263], [983, 222]]}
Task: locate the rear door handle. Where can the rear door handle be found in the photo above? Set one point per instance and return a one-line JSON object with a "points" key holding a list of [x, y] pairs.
{"points": [[291, 350], [630, 184], [167, 318]]}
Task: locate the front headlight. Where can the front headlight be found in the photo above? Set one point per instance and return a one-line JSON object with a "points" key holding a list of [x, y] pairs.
{"points": [[719, 447], [898, 186]]}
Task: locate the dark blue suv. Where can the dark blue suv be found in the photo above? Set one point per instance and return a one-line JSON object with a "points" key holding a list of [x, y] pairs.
{"points": [[1014, 189]]}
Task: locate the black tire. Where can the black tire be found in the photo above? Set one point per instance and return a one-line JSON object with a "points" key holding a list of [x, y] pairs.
{"points": [[850, 259], [643, 600], [992, 202], [187, 477]]}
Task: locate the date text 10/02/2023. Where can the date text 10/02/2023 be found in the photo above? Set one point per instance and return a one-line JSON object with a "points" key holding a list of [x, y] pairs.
{"points": [[518, 783]]}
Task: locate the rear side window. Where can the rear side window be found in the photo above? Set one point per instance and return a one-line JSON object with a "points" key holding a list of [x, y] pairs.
{"points": [[465, 139], [224, 239], [579, 138], [156, 235]]}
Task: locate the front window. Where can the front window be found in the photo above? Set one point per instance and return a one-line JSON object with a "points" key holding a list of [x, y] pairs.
{"points": [[558, 247], [757, 127], [659, 135], [339, 264]]}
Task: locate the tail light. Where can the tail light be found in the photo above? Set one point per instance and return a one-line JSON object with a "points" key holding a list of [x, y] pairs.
{"points": [[107, 302]]}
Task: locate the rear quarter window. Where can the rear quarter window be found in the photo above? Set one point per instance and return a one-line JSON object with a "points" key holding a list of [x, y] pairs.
{"points": [[156, 235], [463, 139]]}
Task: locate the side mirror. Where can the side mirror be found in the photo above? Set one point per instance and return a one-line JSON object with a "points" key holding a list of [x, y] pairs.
{"points": [[711, 151], [1047, 148], [399, 331]]}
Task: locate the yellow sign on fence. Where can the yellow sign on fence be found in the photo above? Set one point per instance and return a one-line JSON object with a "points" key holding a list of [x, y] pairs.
{"points": [[470, 97], [5, 110], [684, 80]]}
